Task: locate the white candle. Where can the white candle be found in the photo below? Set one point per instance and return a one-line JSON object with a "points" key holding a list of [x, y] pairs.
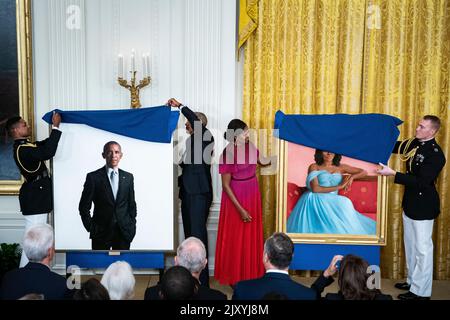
{"points": [[148, 64], [120, 66], [133, 61], [144, 66]]}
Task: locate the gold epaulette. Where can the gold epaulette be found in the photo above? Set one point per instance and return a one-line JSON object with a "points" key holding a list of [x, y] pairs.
{"points": [[18, 159]]}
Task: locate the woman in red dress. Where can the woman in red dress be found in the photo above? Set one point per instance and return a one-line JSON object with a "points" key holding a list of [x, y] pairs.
{"points": [[239, 247]]}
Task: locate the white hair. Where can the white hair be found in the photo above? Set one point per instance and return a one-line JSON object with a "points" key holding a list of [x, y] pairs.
{"points": [[119, 280], [38, 240], [191, 254]]}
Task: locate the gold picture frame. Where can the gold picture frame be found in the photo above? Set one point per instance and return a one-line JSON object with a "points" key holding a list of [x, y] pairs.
{"points": [[23, 93], [315, 238]]}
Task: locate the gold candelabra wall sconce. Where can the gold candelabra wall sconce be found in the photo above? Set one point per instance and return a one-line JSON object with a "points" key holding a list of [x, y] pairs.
{"points": [[132, 86]]}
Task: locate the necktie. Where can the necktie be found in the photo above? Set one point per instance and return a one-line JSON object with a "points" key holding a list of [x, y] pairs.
{"points": [[114, 184]]}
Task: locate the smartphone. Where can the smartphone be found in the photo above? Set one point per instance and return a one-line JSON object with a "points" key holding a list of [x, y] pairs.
{"points": [[338, 264]]}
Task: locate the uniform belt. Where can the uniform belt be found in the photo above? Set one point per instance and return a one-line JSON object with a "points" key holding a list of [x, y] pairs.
{"points": [[243, 179]]}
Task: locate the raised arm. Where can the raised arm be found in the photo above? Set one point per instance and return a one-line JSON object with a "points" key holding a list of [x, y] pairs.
{"points": [[56, 121], [326, 278], [45, 150], [188, 113]]}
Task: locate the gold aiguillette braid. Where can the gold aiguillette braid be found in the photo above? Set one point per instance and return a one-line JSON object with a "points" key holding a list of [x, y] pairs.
{"points": [[20, 163], [407, 155]]}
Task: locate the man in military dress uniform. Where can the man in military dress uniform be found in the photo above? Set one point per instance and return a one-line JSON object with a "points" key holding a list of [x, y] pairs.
{"points": [[36, 193], [424, 161]]}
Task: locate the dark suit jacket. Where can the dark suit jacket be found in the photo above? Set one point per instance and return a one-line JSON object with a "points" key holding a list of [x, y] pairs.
{"points": [[36, 193], [108, 212], [33, 278], [203, 293], [196, 176], [421, 199], [279, 283]]}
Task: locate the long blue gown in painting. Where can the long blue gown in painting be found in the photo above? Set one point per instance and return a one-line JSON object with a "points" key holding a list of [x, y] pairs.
{"points": [[327, 212]]}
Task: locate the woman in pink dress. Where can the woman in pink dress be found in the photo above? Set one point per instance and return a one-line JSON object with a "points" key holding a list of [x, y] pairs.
{"points": [[239, 247]]}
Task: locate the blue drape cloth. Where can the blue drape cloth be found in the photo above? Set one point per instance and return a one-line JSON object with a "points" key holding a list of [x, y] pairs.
{"points": [[368, 137], [155, 124]]}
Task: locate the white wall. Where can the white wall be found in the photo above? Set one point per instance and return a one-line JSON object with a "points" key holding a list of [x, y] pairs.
{"points": [[192, 48]]}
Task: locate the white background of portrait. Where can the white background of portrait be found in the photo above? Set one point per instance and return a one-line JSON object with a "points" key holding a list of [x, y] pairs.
{"points": [[151, 164]]}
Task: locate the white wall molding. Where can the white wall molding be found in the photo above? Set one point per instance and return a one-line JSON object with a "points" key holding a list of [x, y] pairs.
{"points": [[11, 227], [11, 220], [67, 50]]}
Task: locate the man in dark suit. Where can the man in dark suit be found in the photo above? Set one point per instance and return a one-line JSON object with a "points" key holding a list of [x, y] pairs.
{"points": [[191, 254], [195, 182], [424, 161], [36, 277], [113, 224], [36, 193], [278, 252]]}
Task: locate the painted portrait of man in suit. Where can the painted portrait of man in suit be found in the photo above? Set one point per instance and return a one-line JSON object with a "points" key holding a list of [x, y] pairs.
{"points": [[111, 190]]}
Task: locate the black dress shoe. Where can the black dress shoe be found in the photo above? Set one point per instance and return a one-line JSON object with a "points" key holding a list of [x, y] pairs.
{"points": [[411, 296], [403, 286]]}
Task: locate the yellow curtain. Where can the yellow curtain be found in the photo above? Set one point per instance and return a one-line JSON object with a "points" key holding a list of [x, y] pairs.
{"points": [[355, 56], [248, 19]]}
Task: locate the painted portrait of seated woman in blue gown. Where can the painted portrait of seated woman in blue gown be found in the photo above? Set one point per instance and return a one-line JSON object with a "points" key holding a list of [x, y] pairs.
{"points": [[327, 212]]}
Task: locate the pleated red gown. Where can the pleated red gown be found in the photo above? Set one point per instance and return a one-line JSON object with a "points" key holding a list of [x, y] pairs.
{"points": [[239, 246]]}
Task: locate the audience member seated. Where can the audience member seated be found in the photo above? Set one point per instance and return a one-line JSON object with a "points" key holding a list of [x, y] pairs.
{"points": [[177, 283], [91, 290], [119, 280], [278, 252], [36, 276], [352, 280], [191, 254]]}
